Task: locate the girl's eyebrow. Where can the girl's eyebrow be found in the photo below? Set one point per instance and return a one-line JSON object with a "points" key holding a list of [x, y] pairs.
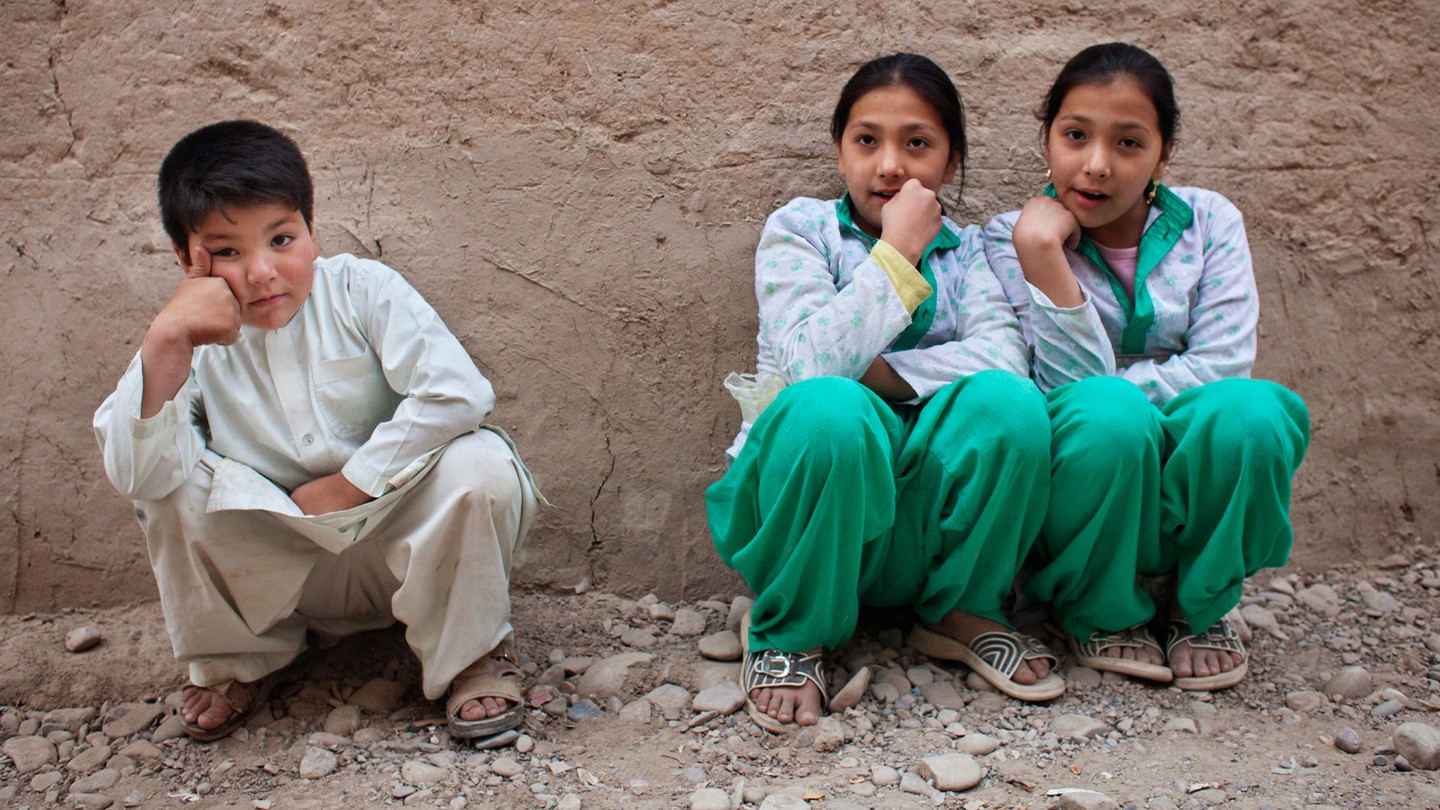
{"points": [[910, 127], [1081, 119]]}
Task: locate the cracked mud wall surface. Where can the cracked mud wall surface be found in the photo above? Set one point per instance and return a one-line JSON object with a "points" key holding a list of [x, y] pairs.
{"points": [[578, 189]]}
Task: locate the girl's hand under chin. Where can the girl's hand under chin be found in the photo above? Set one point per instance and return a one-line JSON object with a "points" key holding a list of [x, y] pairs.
{"points": [[1044, 222], [910, 221], [1043, 228]]}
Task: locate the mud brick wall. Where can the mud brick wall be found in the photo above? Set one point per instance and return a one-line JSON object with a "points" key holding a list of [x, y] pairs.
{"points": [[578, 188]]}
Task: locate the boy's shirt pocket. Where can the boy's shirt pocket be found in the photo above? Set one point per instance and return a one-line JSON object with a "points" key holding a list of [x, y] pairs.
{"points": [[352, 395]]}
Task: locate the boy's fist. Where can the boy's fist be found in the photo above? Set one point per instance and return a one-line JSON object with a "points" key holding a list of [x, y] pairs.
{"points": [[203, 310]]}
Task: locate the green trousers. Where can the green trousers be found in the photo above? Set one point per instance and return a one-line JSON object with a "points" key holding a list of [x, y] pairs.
{"points": [[1198, 489], [839, 499]]}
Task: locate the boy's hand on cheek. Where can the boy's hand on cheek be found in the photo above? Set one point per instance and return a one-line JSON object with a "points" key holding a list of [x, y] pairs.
{"points": [[331, 493], [202, 311]]}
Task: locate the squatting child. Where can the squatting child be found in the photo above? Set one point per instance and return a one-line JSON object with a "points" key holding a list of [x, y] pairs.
{"points": [[305, 445], [1140, 303], [906, 461]]}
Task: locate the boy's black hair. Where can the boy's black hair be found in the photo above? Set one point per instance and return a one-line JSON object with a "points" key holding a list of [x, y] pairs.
{"points": [[917, 73], [1102, 64], [238, 163]]}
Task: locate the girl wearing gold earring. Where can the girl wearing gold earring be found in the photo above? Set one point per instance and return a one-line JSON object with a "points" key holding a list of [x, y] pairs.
{"points": [[1140, 305]]}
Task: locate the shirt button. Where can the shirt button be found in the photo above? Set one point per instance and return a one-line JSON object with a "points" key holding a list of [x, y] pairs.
{"points": [[307, 440]]}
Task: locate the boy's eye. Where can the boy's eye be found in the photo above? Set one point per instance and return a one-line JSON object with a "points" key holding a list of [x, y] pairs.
{"points": [[281, 240], [225, 251]]}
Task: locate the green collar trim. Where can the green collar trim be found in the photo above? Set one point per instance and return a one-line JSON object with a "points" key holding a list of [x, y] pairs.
{"points": [[924, 315], [1169, 217]]}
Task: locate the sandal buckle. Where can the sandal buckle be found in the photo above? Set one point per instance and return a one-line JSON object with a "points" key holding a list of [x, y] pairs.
{"points": [[773, 664]]}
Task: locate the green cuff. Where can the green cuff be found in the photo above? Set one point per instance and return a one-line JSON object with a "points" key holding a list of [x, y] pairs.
{"points": [[909, 284]]}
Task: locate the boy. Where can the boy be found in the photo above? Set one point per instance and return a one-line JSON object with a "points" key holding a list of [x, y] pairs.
{"points": [[303, 441]]}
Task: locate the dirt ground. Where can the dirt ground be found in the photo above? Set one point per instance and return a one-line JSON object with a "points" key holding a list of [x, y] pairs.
{"points": [[1269, 742]]}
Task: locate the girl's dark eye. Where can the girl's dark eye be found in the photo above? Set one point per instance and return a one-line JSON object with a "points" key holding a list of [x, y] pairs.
{"points": [[917, 142], [1130, 143], [866, 140]]}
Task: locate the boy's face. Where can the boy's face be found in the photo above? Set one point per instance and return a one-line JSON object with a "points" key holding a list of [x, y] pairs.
{"points": [[264, 252]]}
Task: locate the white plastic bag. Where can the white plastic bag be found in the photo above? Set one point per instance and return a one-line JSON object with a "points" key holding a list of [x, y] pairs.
{"points": [[753, 391]]}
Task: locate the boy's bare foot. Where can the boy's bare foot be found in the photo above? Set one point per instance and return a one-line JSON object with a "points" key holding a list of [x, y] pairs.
{"points": [[964, 627], [800, 705]]}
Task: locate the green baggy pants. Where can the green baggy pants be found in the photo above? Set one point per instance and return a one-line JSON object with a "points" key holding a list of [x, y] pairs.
{"points": [[839, 499], [1198, 489]]}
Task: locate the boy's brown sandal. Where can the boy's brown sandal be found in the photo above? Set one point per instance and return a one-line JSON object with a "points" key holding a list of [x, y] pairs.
{"points": [[242, 698], [493, 675]]}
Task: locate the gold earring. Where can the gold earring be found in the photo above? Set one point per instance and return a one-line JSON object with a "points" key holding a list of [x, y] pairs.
{"points": [[1150, 192], [1047, 172]]}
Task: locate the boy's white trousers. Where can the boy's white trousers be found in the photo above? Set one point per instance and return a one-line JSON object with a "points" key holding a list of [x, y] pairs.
{"points": [[243, 575]]}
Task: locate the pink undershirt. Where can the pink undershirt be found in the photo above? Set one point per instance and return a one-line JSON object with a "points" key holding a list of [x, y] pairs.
{"points": [[1122, 263]]}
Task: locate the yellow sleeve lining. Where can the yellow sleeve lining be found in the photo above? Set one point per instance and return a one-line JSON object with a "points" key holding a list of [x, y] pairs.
{"points": [[909, 284]]}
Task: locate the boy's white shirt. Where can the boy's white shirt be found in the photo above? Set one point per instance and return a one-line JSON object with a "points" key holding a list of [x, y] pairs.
{"points": [[1204, 294], [366, 379], [828, 308]]}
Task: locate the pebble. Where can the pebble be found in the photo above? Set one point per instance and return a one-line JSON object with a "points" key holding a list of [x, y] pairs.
{"points": [[129, 719], [688, 623], [783, 801], [1087, 800], [83, 638], [379, 696], [884, 776], [637, 712], [951, 772], [1082, 678], [417, 772], [97, 782], [171, 728], [1077, 727], [612, 676], [725, 697], [44, 781], [567, 802], [710, 799], [1181, 724], [1259, 617], [1321, 599], [976, 745], [317, 763], [71, 718], [1348, 740], [1351, 683], [1388, 708], [576, 664], [640, 638], [721, 646], [89, 760], [584, 709], [1305, 701], [673, 701], [831, 733], [506, 767], [1419, 744], [738, 608], [89, 801], [913, 782], [343, 721], [942, 695]]}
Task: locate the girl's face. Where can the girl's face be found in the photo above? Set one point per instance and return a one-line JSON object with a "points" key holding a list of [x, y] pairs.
{"points": [[891, 136], [1103, 149]]}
